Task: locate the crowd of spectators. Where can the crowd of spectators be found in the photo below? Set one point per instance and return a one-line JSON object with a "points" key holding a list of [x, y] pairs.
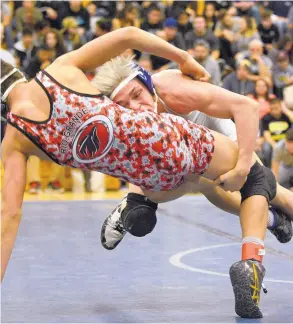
{"points": [[246, 46]]}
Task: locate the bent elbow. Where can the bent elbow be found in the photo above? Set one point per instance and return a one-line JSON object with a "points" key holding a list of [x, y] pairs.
{"points": [[252, 105], [130, 32]]}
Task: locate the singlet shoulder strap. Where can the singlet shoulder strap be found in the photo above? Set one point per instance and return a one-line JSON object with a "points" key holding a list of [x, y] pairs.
{"points": [[60, 85]]}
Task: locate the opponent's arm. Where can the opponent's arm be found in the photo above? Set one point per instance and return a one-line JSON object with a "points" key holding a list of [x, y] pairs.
{"points": [[106, 47], [214, 101], [12, 196]]}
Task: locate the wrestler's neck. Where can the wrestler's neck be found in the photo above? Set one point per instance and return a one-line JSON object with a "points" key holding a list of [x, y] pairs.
{"points": [[160, 106]]}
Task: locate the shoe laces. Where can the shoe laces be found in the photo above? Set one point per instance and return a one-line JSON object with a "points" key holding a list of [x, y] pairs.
{"points": [[117, 224]]}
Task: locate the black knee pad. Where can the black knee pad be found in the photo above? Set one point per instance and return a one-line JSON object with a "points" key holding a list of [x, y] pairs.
{"points": [[260, 181], [139, 216]]}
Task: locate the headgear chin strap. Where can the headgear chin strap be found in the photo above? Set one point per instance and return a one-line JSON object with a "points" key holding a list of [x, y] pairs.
{"points": [[7, 91], [143, 76]]}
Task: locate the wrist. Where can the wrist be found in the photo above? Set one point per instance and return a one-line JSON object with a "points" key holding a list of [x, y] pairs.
{"points": [[243, 166], [183, 56]]}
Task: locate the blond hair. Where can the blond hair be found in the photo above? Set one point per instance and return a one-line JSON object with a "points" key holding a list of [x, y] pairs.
{"points": [[112, 73]]}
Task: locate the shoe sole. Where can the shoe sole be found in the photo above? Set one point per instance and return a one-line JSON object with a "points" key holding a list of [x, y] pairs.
{"points": [[244, 305]]}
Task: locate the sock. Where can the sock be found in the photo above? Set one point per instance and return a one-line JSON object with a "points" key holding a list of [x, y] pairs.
{"points": [[272, 219], [252, 248]]}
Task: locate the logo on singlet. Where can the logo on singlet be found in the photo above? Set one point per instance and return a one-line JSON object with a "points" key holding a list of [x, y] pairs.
{"points": [[93, 140]]}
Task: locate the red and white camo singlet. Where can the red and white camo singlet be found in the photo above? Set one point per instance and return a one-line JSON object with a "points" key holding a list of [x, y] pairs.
{"points": [[91, 132]]}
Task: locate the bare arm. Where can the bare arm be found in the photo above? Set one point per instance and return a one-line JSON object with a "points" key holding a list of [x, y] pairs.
{"points": [[102, 49], [214, 101], [12, 197]]}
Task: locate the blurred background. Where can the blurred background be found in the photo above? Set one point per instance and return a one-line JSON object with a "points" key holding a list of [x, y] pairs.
{"points": [[246, 46]]}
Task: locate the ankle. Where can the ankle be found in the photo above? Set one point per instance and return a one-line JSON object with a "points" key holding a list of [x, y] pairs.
{"points": [[252, 248]]}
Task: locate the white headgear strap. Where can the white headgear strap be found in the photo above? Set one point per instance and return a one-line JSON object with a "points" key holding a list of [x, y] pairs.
{"points": [[122, 84]]}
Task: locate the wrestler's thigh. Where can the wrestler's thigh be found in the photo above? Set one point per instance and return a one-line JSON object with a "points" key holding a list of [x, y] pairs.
{"points": [[165, 196], [224, 158]]}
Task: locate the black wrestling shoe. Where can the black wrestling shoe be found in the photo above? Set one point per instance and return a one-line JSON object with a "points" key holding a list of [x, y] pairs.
{"points": [[283, 227], [246, 278], [113, 230]]}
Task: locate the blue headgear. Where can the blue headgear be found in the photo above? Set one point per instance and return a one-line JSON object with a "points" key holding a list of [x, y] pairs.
{"points": [[145, 78], [142, 75]]}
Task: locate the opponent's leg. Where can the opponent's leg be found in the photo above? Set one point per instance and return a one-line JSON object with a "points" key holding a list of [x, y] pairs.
{"points": [[113, 230], [135, 214], [259, 188], [278, 222]]}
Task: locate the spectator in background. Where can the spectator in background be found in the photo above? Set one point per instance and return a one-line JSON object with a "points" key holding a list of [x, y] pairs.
{"points": [[54, 40], [51, 11], [286, 45], [281, 10], [247, 8], [43, 58], [262, 95], [25, 48], [27, 15], [128, 17], [184, 24], [282, 163], [103, 26], [106, 9], [171, 35], [146, 63], [268, 31], [260, 64], [247, 32], [73, 8], [290, 22], [210, 16], [175, 8], [220, 4], [71, 36], [238, 81], [5, 55], [6, 18], [282, 74], [200, 32], [226, 29], [41, 28], [274, 126], [201, 54], [92, 10], [154, 22]]}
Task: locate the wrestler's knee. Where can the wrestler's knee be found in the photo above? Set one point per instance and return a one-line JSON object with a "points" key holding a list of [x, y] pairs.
{"points": [[139, 215], [260, 181]]}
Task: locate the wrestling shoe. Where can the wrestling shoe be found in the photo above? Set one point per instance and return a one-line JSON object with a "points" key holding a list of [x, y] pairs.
{"points": [[283, 227], [246, 278], [113, 230]]}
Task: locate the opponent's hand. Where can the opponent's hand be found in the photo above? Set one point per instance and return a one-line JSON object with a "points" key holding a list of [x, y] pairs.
{"points": [[194, 70], [233, 180]]}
